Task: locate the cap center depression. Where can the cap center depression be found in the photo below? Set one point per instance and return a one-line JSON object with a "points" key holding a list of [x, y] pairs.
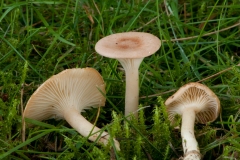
{"points": [[127, 43]]}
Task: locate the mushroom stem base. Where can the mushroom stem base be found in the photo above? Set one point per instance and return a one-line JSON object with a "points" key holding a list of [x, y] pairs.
{"points": [[192, 155], [189, 141], [86, 129]]}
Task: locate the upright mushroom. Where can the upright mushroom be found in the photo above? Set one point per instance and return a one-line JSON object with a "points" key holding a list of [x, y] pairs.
{"points": [[65, 95], [195, 102], [129, 49]]}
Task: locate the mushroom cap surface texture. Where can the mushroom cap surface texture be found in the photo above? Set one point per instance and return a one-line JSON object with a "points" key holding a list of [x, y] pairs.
{"points": [[194, 96], [128, 45], [77, 88]]}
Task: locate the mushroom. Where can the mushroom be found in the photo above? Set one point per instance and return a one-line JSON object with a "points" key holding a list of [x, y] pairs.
{"points": [[65, 95], [195, 102], [129, 48]]}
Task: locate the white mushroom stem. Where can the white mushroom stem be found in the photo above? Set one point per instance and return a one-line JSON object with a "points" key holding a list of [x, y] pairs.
{"points": [[84, 127], [131, 67], [189, 141]]}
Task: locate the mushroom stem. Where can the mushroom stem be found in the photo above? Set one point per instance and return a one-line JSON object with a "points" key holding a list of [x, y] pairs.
{"points": [[189, 142], [131, 67], [86, 129]]}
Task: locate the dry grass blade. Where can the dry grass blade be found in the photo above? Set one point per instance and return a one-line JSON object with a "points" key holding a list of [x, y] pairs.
{"points": [[172, 90], [192, 37]]}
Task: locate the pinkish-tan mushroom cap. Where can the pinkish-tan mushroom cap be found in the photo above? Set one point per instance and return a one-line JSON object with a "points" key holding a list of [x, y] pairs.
{"points": [[78, 88], [195, 96], [128, 45]]}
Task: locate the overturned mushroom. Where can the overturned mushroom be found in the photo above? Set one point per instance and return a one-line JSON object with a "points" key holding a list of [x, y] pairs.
{"points": [[65, 95], [129, 49], [195, 102]]}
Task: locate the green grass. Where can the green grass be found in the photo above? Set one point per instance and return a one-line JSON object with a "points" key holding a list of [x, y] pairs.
{"points": [[41, 38]]}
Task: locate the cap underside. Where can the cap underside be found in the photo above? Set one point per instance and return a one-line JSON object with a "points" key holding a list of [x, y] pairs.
{"points": [[78, 88], [195, 96]]}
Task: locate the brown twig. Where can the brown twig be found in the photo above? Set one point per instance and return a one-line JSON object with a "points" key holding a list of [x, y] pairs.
{"points": [[193, 37], [147, 154], [152, 20], [158, 94], [204, 79], [89, 15], [225, 70], [172, 147], [207, 34]]}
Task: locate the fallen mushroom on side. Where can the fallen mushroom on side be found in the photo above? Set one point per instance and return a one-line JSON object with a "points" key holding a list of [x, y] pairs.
{"points": [[65, 95], [129, 48], [195, 102]]}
